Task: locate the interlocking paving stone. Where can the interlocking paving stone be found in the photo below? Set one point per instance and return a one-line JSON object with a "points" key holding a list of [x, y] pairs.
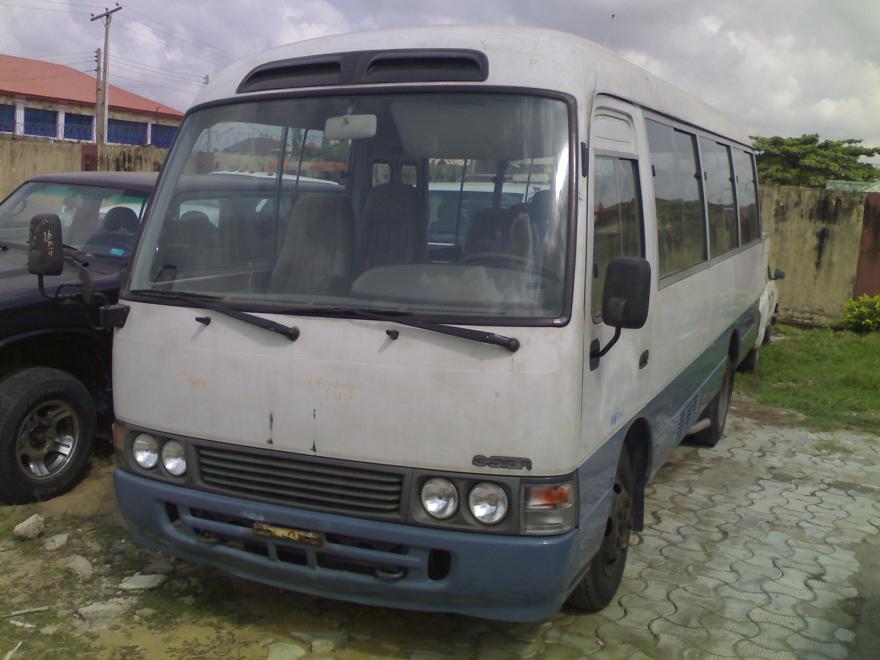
{"points": [[749, 551]]}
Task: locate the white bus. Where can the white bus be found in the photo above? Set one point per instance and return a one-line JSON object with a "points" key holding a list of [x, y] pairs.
{"points": [[312, 394]]}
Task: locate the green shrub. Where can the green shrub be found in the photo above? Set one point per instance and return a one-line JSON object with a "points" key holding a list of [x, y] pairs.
{"points": [[862, 314]]}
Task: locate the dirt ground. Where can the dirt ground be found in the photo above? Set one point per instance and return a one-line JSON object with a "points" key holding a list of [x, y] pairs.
{"points": [[766, 546]]}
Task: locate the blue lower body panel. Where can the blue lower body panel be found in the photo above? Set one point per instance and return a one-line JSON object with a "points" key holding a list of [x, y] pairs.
{"points": [[513, 578]]}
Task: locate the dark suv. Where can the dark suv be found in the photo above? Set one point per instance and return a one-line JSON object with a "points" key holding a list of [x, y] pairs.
{"points": [[54, 357]]}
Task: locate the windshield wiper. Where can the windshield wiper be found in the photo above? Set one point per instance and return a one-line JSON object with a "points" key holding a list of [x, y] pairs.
{"points": [[213, 303], [408, 318]]}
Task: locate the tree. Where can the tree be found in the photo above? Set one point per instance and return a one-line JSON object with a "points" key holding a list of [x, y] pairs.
{"points": [[808, 161]]}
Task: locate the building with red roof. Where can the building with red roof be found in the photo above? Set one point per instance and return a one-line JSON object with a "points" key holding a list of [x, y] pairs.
{"points": [[56, 101]]}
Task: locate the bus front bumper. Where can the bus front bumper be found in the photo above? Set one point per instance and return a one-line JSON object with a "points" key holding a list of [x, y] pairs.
{"points": [[512, 578]]}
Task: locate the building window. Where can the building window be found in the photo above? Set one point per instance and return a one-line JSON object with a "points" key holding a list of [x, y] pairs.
{"points": [[77, 127], [40, 122], [163, 135], [7, 118], [120, 131]]}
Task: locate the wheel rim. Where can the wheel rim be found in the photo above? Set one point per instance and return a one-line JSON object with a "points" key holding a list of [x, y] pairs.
{"points": [[47, 439], [618, 529]]}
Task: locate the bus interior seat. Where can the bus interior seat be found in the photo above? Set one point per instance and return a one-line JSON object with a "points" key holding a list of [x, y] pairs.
{"points": [[191, 242], [393, 229], [488, 231], [318, 246]]}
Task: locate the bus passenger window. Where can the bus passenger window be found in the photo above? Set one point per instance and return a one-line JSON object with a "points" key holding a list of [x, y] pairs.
{"points": [[617, 219], [723, 233], [749, 225], [381, 173], [681, 231], [409, 175]]}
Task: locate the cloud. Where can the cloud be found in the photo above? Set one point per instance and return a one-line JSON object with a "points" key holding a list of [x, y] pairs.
{"points": [[785, 67]]}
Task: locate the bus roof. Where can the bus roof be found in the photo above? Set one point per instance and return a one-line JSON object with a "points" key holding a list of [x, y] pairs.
{"points": [[517, 57]]}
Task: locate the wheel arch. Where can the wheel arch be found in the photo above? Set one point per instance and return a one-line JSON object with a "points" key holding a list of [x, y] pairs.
{"points": [[77, 351]]}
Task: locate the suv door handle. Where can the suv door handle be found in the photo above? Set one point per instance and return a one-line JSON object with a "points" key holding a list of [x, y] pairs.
{"points": [[643, 359]]}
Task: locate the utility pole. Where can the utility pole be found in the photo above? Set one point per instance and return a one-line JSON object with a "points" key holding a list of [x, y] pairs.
{"points": [[101, 123], [98, 100]]}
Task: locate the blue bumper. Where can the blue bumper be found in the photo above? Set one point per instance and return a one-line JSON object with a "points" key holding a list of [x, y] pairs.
{"points": [[513, 578]]}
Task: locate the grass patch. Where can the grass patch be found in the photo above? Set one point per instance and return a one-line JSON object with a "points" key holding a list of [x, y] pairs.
{"points": [[833, 378]]}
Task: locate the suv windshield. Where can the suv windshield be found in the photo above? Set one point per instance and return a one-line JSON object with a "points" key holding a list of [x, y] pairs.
{"points": [[99, 220], [450, 205]]}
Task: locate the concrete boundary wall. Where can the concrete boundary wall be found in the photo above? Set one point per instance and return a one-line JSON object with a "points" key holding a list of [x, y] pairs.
{"points": [[828, 244], [22, 158]]}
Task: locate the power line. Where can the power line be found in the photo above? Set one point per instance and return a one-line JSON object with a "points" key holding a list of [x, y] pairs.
{"points": [[6, 3], [173, 31], [156, 84], [156, 76], [164, 72], [131, 29]]}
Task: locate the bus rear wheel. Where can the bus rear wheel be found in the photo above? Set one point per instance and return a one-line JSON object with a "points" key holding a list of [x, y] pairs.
{"points": [[597, 588]]}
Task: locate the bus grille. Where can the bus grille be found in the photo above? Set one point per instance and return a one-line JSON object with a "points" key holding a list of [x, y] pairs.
{"points": [[293, 481]]}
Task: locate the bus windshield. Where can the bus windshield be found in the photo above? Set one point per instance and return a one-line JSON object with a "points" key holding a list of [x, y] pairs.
{"points": [[452, 205]]}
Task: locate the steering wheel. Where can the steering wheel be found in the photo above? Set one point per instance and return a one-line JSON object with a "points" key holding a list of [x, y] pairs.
{"points": [[489, 257]]}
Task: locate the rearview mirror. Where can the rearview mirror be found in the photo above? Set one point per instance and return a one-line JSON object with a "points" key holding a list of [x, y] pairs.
{"points": [[46, 253], [627, 292], [350, 127]]}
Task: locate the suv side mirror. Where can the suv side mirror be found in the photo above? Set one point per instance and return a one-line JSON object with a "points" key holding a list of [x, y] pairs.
{"points": [[779, 274], [46, 253], [627, 292]]}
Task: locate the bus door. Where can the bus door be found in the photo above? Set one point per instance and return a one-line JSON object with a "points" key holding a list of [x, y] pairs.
{"points": [[615, 386]]}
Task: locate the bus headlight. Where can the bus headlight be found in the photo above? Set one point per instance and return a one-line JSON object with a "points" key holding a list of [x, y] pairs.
{"points": [[145, 450], [174, 458], [439, 498], [488, 502], [549, 508]]}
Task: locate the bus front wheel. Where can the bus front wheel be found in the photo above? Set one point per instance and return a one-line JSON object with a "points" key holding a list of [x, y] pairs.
{"points": [[597, 588]]}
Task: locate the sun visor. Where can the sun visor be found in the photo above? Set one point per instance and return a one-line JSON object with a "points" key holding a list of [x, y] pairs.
{"points": [[484, 127]]}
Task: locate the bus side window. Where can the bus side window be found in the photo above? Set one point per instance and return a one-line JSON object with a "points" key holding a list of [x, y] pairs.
{"points": [[381, 173], [617, 219]]}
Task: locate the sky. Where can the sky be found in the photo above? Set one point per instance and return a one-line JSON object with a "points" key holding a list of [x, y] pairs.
{"points": [[778, 67]]}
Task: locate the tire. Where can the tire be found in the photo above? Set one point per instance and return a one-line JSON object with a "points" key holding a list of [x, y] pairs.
{"points": [[605, 571], [47, 431], [750, 364], [716, 412], [767, 334]]}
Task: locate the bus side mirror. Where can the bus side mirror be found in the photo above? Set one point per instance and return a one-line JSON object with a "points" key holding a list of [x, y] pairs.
{"points": [[625, 300], [46, 248], [627, 293]]}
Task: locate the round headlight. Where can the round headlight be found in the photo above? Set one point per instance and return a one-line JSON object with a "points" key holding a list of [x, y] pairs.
{"points": [[145, 450], [439, 498], [174, 458], [488, 502]]}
